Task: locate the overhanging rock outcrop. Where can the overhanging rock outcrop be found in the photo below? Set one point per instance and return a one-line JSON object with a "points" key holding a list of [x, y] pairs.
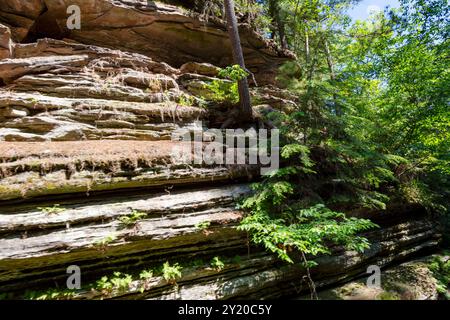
{"points": [[163, 32]]}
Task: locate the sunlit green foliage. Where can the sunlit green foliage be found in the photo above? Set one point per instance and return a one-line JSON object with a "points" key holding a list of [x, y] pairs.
{"points": [[203, 225], [132, 218], [171, 272], [282, 222], [371, 125], [217, 264], [441, 271], [55, 209], [226, 89], [51, 294], [118, 281]]}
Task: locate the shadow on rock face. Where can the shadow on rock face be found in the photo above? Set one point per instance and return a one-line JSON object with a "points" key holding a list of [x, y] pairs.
{"points": [[45, 26]]}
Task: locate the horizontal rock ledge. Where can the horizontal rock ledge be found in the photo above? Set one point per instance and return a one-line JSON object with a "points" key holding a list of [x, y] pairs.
{"points": [[155, 112], [263, 276], [159, 205]]}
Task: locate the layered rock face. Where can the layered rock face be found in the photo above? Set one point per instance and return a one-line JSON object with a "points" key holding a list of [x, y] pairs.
{"points": [[20, 15], [5, 42], [161, 31], [86, 173]]}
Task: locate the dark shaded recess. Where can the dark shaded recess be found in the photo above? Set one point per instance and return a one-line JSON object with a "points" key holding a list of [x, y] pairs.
{"points": [[195, 5], [45, 26], [190, 4]]}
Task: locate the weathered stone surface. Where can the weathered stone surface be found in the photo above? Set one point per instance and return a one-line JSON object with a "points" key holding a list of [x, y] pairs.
{"points": [[278, 99], [51, 47], [20, 15], [33, 184], [19, 136], [146, 112], [412, 280], [166, 33], [155, 83], [5, 42], [205, 69], [83, 86], [87, 237], [81, 117], [14, 68], [155, 205], [14, 112], [89, 96], [254, 276], [109, 166], [171, 220], [64, 129], [40, 124]]}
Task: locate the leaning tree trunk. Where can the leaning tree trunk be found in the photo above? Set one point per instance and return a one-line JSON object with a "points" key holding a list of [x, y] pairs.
{"points": [[277, 23], [332, 76], [238, 57]]}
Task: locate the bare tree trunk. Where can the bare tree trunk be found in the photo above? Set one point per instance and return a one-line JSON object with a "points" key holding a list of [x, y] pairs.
{"points": [[332, 75], [310, 71], [238, 57], [308, 53], [278, 24], [329, 61]]}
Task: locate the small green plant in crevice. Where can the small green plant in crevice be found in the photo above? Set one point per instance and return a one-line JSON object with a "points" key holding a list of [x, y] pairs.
{"points": [[186, 100], [146, 274], [234, 73], [145, 277], [51, 294], [441, 271], [55, 209], [217, 264], [203, 225], [131, 219], [226, 90], [103, 244], [385, 295], [34, 101], [171, 273], [118, 281]]}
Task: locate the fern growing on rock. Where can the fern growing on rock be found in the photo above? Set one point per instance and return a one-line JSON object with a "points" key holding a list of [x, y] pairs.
{"points": [[283, 223]]}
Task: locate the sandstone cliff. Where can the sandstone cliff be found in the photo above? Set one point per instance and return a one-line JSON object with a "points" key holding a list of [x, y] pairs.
{"points": [[86, 118]]}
